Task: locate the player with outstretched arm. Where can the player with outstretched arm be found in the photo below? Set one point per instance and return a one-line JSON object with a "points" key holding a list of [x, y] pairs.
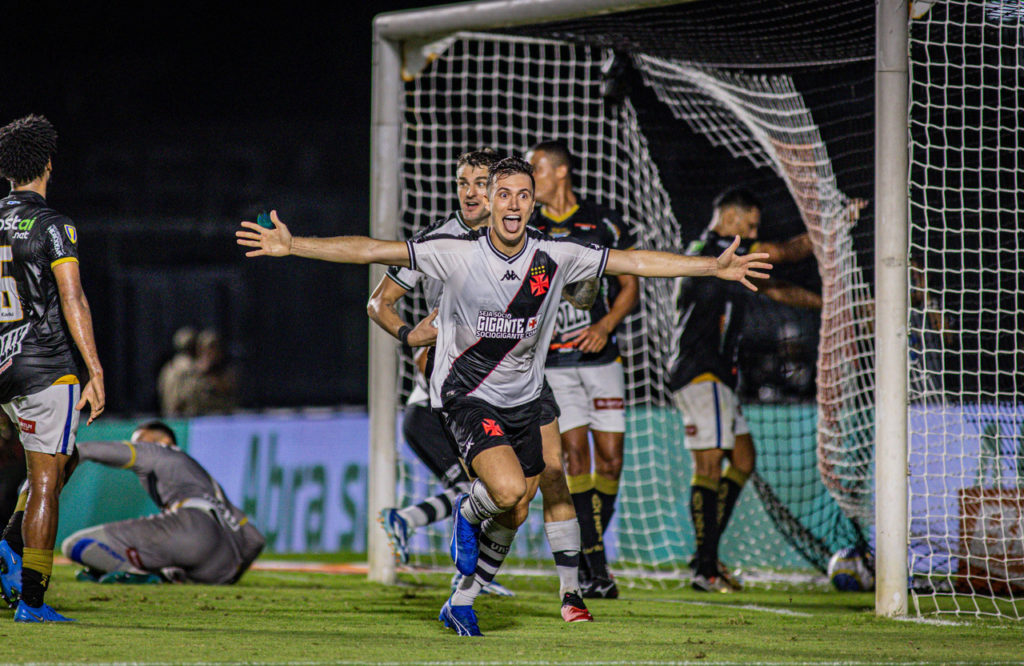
{"points": [[497, 315], [426, 433]]}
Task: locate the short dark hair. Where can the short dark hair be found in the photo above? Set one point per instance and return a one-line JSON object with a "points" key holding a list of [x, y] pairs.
{"points": [[737, 196], [484, 158], [557, 151], [509, 166], [26, 147], [159, 426]]}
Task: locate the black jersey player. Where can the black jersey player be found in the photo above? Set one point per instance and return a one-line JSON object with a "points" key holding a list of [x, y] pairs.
{"points": [[45, 331], [704, 375]]}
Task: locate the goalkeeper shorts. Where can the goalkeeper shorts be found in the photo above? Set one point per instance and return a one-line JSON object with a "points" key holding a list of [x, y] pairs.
{"points": [[711, 415]]}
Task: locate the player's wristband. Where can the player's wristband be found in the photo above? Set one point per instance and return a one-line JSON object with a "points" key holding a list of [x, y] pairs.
{"points": [[403, 335]]}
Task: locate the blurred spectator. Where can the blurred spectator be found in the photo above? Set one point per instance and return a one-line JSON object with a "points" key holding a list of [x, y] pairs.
{"points": [[177, 379], [217, 385], [12, 467]]}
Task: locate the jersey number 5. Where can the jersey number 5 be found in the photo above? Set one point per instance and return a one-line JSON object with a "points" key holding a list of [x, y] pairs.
{"points": [[10, 303]]}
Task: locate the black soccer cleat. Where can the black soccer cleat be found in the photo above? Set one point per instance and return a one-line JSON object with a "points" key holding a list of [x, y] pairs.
{"points": [[601, 588]]}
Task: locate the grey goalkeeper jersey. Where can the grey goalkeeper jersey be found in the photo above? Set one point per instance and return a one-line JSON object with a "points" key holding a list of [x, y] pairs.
{"points": [[173, 480], [496, 312]]}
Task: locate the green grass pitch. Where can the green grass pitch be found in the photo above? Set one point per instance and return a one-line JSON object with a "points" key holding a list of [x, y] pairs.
{"points": [[312, 618]]}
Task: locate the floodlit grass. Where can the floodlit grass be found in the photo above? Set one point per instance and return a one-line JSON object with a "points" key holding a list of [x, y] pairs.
{"points": [[322, 618]]}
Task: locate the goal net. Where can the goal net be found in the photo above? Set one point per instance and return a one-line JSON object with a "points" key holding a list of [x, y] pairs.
{"points": [[966, 420], [656, 134]]}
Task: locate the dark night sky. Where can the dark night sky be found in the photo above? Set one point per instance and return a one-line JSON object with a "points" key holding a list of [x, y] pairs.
{"points": [[178, 119], [100, 69]]}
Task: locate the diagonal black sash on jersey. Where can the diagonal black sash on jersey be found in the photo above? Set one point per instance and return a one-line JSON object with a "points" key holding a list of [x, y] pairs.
{"points": [[473, 366]]}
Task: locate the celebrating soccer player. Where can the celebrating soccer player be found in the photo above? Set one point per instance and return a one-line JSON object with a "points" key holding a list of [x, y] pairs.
{"points": [[583, 364], [426, 434], [502, 287]]}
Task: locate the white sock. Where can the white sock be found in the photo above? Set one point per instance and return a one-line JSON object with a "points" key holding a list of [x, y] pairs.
{"points": [[564, 539], [480, 506]]}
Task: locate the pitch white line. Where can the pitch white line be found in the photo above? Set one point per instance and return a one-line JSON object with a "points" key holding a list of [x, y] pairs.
{"points": [[752, 607]]}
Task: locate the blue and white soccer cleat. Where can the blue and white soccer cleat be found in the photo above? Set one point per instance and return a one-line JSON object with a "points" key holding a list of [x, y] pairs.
{"points": [[44, 613], [465, 545], [10, 575], [397, 530], [460, 618]]}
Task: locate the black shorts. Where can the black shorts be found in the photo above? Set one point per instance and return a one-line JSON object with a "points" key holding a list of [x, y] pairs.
{"points": [[478, 426], [549, 410], [427, 435]]}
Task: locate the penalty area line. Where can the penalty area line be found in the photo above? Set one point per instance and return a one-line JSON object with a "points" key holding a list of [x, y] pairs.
{"points": [[750, 607]]}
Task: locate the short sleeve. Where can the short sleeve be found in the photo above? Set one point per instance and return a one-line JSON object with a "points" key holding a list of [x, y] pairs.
{"points": [[435, 256], [59, 241], [581, 262], [404, 277]]}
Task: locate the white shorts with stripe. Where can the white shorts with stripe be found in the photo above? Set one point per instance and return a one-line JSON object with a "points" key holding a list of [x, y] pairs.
{"points": [[47, 420], [711, 415], [590, 395]]}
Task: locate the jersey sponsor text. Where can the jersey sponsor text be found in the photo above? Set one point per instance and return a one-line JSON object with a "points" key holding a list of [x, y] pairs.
{"points": [[502, 325]]}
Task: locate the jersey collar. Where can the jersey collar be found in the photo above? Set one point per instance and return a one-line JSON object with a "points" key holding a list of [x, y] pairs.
{"points": [[462, 222], [502, 255], [559, 218], [27, 194]]}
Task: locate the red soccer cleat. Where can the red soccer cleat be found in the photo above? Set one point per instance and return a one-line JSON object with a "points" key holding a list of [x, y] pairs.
{"points": [[574, 610]]}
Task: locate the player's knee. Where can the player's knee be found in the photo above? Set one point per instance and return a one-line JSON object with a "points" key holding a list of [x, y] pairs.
{"points": [[507, 493], [708, 463], [609, 467], [553, 475]]}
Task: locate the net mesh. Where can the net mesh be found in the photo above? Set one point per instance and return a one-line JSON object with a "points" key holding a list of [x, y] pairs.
{"points": [[966, 365], [509, 92]]}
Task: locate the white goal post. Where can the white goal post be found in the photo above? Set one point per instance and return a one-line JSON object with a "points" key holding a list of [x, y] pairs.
{"points": [[398, 41]]}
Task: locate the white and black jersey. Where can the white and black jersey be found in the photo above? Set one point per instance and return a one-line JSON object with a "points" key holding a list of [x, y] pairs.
{"points": [[497, 312], [407, 278]]}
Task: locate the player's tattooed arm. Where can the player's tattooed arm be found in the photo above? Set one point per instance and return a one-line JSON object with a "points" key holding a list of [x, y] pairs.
{"points": [[279, 242], [381, 309], [727, 266], [75, 308], [594, 338]]}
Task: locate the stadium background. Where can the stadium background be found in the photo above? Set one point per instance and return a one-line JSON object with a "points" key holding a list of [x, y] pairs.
{"points": [[177, 121]]}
